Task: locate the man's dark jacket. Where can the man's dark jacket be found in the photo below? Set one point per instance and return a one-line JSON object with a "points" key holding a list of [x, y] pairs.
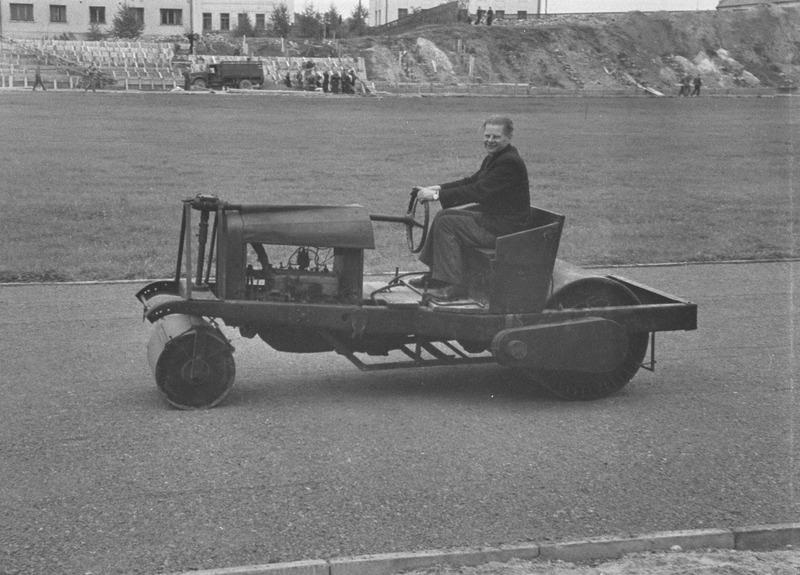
{"points": [[500, 188]]}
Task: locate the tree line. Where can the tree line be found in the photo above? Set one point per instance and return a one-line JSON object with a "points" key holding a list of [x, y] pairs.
{"points": [[310, 24]]}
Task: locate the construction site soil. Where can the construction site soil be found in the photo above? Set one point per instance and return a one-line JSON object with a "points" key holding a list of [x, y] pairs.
{"points": [[758, 48]]}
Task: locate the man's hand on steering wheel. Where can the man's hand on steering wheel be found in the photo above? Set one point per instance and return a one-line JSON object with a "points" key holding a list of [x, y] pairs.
{"points": [[430, 194]]}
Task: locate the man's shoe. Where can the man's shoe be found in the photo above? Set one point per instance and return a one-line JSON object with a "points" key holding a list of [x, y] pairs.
{"points": [[448, 292], [421, 281], [425, 281]]}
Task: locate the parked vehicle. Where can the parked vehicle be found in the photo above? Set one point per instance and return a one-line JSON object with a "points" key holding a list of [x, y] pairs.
{"points": [[578, 334], [229, 74]]}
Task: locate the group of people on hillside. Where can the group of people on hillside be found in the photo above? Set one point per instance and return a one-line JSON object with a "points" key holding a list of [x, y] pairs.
{"points": [[686, 86], [334, 81], [479, 16]]}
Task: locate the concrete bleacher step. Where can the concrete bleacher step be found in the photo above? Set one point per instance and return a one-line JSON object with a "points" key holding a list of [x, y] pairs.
{"points": [[139, 62]]}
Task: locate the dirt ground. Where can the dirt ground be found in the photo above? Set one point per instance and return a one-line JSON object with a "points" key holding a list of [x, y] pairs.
{"points": [[729, 49], [713, 562]]}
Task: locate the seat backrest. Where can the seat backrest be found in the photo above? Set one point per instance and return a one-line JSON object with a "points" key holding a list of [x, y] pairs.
{"points": [[538, 217], [523, 265]]}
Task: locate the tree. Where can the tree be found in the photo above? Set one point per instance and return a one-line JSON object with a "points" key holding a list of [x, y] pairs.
{"points": [[127, 23], [244, 27], [95, 33], [357, 23], [309, 23], [279, 21], [332, 21]]}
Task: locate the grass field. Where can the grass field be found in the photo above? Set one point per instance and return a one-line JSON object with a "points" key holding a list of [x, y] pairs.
{"points": [[92, 183]]}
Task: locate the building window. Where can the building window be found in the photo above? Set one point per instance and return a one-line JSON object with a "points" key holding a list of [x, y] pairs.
{"points": [[58, 13], [402, 13], [97, 14], [499, 14], [21, 12], [206, 21], [261, 22], [224, 21], [522, 15], [139, 14], [242, 20], [171, 17]]}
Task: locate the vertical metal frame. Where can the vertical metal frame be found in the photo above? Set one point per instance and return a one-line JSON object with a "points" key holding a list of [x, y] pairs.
{"points": [[187, 242]]}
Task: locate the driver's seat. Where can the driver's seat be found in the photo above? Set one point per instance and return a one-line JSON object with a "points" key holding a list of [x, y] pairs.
{"points": [[515, 276]]}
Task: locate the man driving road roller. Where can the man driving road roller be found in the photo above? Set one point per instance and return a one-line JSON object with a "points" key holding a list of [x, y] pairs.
{"points": [[500, 193]]}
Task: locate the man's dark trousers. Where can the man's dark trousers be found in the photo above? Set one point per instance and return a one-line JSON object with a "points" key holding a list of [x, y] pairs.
{"points": [[453, 230]]}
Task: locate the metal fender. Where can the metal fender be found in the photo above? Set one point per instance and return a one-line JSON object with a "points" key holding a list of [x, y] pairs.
{"points": [[591, 345], [565, 273], [155, 289]]}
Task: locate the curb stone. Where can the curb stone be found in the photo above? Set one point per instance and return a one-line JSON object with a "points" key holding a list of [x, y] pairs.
{"points": [[388, 564], [613, 547], [765, 537], [314, 567], [753, 538]]}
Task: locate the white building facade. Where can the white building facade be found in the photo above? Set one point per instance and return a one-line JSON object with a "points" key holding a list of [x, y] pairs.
{"points": [[385, 11], [752, 4], [54, 18]]}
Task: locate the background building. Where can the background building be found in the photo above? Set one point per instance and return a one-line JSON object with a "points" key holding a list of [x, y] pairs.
{"points": [[54, 18], [749, 4], [385, 11]]}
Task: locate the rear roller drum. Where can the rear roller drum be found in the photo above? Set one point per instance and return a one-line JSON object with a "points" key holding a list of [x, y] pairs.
{"points": [[593, 292]]}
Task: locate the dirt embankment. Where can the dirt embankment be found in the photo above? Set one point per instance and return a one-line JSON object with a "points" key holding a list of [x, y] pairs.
{"points": [[599, 52]]}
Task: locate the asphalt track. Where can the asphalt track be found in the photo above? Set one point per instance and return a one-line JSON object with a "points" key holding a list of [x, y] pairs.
{"points": [[309, 458]]}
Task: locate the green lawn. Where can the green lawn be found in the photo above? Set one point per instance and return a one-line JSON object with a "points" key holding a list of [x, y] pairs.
{"points": [[92, 183]]}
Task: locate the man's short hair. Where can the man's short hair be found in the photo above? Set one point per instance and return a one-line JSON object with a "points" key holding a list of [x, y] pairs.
{"points": [[504, 121]]}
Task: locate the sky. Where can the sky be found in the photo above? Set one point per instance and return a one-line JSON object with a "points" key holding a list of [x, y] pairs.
{"points": [[346, 7]]}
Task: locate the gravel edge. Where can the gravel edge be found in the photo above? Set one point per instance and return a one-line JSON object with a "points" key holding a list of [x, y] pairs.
{"points": [[750, 538]]}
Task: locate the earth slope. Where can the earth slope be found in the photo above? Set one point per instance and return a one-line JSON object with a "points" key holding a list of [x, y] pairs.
{"points": [[598, 52]]}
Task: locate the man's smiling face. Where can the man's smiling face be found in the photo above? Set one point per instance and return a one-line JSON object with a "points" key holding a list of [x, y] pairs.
{"points": [[494, 139]]}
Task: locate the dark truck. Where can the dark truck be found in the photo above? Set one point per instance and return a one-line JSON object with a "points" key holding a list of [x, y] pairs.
{"points": [[228, 74]]}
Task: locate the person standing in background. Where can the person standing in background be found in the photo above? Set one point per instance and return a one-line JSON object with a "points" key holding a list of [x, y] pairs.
{"points": [[38, 77], [697, 85], [91, 78]]}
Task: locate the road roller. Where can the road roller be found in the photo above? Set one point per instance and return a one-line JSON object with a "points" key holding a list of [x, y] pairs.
{"points": [[293, 276]]}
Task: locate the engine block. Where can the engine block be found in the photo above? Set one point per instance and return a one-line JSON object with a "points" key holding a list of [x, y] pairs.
{"points": [[286, 284]]}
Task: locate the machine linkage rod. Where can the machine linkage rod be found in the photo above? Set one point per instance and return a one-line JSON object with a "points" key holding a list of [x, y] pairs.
{"points": [[211, 248], [416, 358]]}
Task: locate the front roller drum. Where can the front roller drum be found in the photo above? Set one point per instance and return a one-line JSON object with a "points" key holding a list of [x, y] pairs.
{"points": [[192, 362]]}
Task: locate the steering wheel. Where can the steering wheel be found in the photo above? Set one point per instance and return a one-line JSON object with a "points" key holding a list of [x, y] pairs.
{"points": [[415, 245]]}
